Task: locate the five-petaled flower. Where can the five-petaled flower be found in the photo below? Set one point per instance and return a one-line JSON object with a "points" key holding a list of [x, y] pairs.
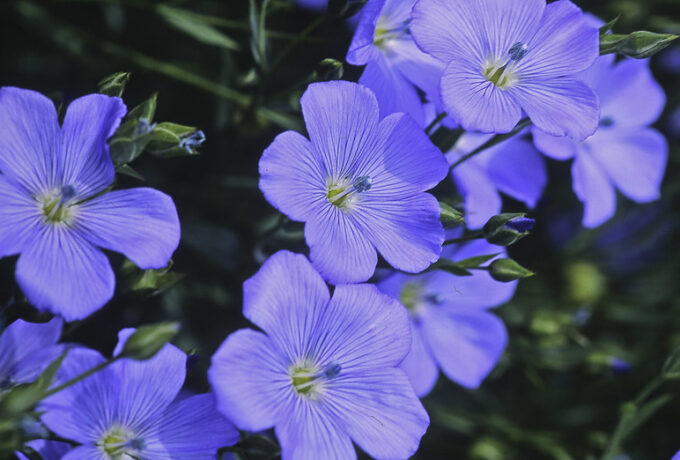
{"points": [[131, 409], [326, 371], [625, 153], [508, 56], [450, 323], [359, 184], [54, 209]]}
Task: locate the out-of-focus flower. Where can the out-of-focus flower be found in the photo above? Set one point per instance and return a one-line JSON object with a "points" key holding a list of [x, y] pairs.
{"points": [[359, 184], [324, 372], [54, 209], [48, 450], [450, 324]]}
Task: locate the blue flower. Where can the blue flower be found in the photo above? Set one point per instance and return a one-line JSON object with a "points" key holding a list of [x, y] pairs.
{"points": [[508, 56], [359, 185], [513, 167], [48, 450], [395, 67], [325, 371], [26, 349], [450, 324], [624, 153], [131, 409], [54, 211]]}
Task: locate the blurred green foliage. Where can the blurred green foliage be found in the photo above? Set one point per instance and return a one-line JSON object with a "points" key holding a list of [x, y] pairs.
{"points": [[590, 333]]}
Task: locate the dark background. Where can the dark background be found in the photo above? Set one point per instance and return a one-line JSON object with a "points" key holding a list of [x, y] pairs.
{"points": [[598, 297]]}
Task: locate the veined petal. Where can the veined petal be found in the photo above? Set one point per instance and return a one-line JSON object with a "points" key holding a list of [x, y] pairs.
{"points": [[19, 217], [393, 91], [63, 273], [191, 429], [311, 433], [634, 160], [419, 364], [341, 118], [85, 453], [518, 170], [83, 411], [292, 175], [84, 159], [419, 68], [564, 44], [361, 328], [141, 223], [380, 412], [27, 348], [361, 50], [29, 139], [286, 288], [411, 161], [475, 102], [560, 106], [338, 248], [594, 189], [467, 344], [250, 380], [407, 232]]}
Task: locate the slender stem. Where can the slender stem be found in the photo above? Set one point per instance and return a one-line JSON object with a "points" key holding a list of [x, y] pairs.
{"points": [[497, 139], [430, 128], [82, 376], [463, 239]]}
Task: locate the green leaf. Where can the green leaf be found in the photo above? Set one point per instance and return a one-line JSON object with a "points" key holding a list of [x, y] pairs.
{"points": [[146, 109], [329, 69], [450, 216], [671, 368], [610, 25], [24, 397], [258, 36], [451, 267], [114, 85], [477, 261], [506, 270], [146, 341], [634, 417], [130, 140], [127, 170], [193, 25], [148, 282]]}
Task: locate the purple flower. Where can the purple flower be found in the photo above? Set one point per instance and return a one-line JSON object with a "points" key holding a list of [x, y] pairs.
{"points": [[53, 209], [676, 456], [26, 349], [508, 56], [450, 324], [513, 167], [326, 371], [395, 67], [130, 409], [624, 153], [359, 185], [48, 450]]}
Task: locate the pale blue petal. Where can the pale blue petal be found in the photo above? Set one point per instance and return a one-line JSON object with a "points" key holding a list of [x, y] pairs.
{"points": [[48, 450], [27, 348], [85, 453], [594, 189], [19, 217], [558, 148], [63, 273], [141, 223], [84, 159], [419, 365], [361, 50], [482, 200]]}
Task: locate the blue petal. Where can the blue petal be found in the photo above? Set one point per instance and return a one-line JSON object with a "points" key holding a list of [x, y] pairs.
{"points": [[63, 273], [380, 411], [191, 429], [292, 176], [141, 223], [559, 106], [482, 200], [19, 219], [559, 148], [594, 189], [477, 337], [84, 159], [27, 348], [634, 160], [29, 139], [419, 365], [48, 450], [362, 50], [85, 453], [250, 379]]}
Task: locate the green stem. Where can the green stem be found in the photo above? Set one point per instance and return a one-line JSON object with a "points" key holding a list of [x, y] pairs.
{"points": [[463, 239], [497, 139], [82, 376]]}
